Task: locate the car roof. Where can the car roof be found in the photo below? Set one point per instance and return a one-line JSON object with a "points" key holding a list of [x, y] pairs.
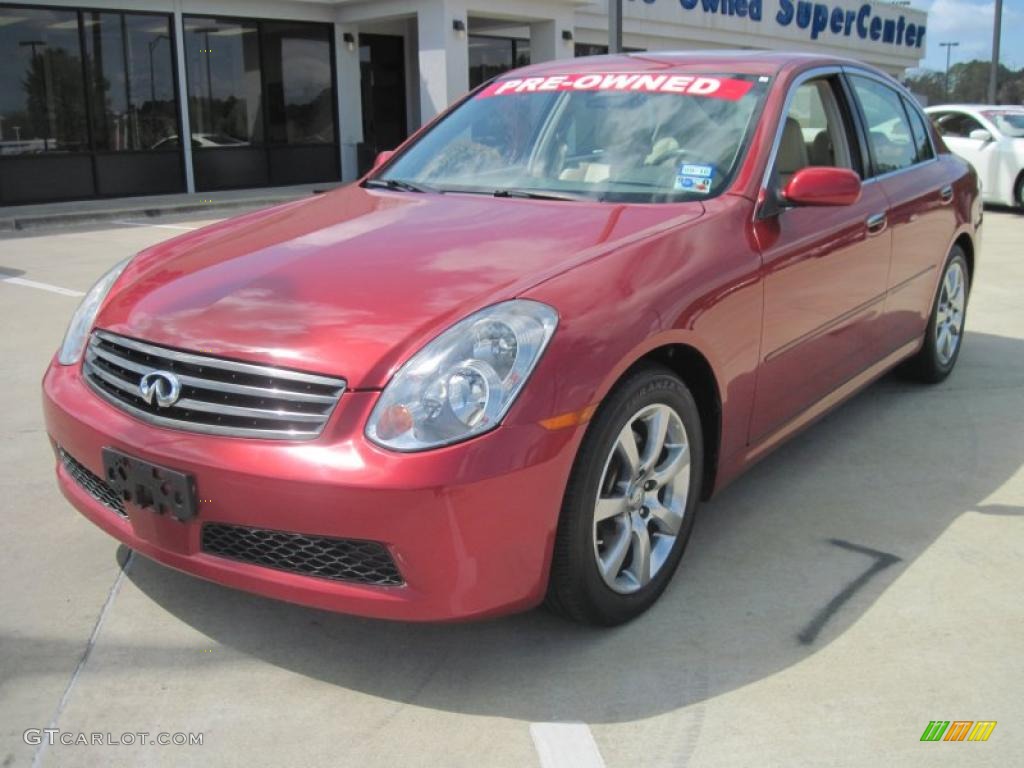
{"points": [[717, 61]]}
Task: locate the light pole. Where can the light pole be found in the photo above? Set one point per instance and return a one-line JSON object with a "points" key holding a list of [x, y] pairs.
{"points": [[33, 44], [949, 47], [614, 26], [205, 32], [993, 73], [152, 75]]}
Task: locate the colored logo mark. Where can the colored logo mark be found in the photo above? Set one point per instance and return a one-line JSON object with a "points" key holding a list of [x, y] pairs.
{"points": [[958, 730]]}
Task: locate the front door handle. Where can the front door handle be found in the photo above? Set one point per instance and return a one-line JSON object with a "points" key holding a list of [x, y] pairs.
{"points": [[876, 223], [946, 193]]}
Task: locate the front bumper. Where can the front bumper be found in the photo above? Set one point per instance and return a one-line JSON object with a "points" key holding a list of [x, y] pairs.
{"points": [[470, 527]]}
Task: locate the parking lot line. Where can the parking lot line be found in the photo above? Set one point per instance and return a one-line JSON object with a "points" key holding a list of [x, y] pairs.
{"points": [[41, 286], [565, 745], [90, 643], [155, 226]]}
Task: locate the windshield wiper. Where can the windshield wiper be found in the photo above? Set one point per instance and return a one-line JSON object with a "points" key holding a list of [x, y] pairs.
{"points": [[534, 195], [398, 184]]}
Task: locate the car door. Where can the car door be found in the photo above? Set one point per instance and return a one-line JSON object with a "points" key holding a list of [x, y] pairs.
{"points": [[956, 127], [825, 268], [920, 211]]}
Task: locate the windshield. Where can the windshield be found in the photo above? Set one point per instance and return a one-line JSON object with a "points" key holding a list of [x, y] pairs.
{"points": [[1009, 123], [612, 137]]}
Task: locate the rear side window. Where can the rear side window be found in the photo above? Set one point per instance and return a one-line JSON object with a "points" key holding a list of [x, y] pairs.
{"points": [[889, 133], [922, 142]]}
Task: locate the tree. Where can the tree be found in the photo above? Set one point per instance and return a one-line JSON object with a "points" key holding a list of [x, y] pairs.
{"points": [[53, 90], [968, 83]]}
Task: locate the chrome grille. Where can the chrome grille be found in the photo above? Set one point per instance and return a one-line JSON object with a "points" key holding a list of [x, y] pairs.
{"points": [[94, 485], [220, 397]]}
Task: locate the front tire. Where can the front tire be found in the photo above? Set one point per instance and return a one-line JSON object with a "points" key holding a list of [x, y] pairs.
{"points": [[629, 506], [944, 336]]}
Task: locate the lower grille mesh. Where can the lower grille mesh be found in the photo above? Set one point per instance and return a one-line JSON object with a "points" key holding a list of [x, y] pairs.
{"points": [[363, 562], [95, 486]]}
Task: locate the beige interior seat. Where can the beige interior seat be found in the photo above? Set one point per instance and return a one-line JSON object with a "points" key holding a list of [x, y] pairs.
{"points": [[792, 155], [822, 152]]}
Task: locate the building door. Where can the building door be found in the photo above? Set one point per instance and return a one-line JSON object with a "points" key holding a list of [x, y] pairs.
{"points": [[382, 67]]}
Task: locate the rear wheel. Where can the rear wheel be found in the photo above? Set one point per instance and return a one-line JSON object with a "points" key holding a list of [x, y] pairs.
{"points": [[629, 506], [944, 336]]}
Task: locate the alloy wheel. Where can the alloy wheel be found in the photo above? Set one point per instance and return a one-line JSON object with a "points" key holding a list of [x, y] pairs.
{"points": [[949, 320], [642, 498]]}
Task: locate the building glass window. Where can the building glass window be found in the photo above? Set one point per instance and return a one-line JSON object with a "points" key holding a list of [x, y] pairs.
{"points": [[42, 108], [130, 78], [522, 53], [589, 49], [224, 82], [592, 49], [297, 68], [261, 102], [491, 56]]}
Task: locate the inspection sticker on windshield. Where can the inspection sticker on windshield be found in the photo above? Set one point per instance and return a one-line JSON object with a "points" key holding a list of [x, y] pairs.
{"points": [[689, 169], [689, 85], [695, 178]]}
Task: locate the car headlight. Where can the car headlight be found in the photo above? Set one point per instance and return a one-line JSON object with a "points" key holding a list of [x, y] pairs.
{"points": [[81, 322], [463, 382]]}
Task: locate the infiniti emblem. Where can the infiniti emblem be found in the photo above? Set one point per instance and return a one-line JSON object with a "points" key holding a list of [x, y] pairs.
{"points": [[162, 385]]}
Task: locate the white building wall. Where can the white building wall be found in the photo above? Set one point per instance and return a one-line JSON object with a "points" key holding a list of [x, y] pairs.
{"points": [[776, 25]]}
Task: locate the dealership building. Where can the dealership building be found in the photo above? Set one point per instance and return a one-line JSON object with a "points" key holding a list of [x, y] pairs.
{"points": [[94, 99]]}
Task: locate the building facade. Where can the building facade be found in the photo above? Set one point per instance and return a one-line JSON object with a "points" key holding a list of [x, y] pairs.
{"points": [[94, 99]]}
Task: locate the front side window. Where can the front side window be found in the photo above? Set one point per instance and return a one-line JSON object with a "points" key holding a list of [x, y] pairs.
{"points": [[813, 133], [616, 137], [957, 124], [889, 133]]}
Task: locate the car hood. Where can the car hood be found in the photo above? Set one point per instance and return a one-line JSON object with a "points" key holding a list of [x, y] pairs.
{"points": [[352, 282]]}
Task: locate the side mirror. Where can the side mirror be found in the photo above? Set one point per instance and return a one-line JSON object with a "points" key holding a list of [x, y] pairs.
{"points": [[382, 157], [980, 134], [822, 185]]}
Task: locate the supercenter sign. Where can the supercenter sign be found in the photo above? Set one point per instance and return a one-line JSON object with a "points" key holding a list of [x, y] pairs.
{"points": [[859, 21]]}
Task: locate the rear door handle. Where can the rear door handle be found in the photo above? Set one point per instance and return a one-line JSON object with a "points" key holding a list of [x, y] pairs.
{"points": [[946, 193], [876, 223]]}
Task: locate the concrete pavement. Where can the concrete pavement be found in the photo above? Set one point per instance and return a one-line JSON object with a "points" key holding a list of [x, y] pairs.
{"points": [[860, 582]]}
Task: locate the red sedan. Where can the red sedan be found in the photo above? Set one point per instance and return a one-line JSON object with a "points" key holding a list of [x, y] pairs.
{"points": [[504, 367]]}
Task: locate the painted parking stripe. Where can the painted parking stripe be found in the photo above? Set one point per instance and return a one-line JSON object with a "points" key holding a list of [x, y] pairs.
{"points": [[565, 745], [155, 226], [41, 286]]}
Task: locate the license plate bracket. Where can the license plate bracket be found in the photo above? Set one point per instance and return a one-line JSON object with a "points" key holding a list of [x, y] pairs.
{"points": [[150, 486]]}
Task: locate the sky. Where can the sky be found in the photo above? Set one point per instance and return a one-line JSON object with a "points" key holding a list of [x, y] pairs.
{"points": [[969, 22]]}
